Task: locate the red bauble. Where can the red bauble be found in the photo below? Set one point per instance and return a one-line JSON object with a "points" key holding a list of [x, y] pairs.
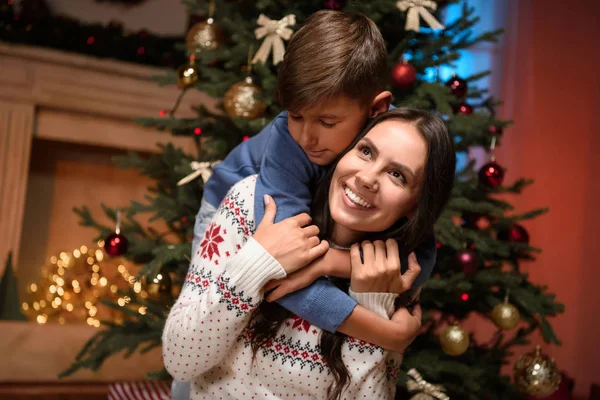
{"points": [[516, 233], [495, 130], [463, 109], [458, 86], [491, 175], [404, 75], [466, 260], [115, 244], [333, 4]]}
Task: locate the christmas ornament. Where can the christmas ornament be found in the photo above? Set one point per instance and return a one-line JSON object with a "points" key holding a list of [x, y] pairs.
{"points": [[564, 391], [536, 374], [495, 130], [458, 86], [206, 34], [159, 285], [415, 9], [424, 389], [466, 260], [404, 75], [454, 340], [203, 169], [187, 75], [274, 32], [333, 4], [241, 100], [463, 109], [491, 174], [115, 244], [515, 233], [505, 315]]}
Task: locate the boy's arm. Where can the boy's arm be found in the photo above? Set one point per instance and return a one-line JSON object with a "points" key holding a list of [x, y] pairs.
{"points": [[286, 174]]}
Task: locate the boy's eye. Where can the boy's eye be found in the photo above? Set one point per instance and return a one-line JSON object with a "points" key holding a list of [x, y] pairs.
{"points": [[326, 125], [295, 117]]}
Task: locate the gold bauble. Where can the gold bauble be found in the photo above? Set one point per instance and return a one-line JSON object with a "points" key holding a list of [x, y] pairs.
{"points": [[204, 35], [505, 316], [454, 340], [242, 100], [159, 285], [536, 374], [187, 75]]}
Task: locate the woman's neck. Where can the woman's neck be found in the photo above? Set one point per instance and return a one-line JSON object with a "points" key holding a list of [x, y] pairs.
{"points": [[343, 236]]}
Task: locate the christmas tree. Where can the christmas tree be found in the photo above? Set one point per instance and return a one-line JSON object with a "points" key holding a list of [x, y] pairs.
{"points": [[10, 305], [480, 240]]}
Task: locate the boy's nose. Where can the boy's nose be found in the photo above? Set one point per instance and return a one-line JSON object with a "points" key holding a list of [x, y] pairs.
{"points": [[307, 139]]}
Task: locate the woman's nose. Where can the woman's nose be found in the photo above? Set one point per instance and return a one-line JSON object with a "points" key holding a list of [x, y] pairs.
{"points": [[367, 181]]}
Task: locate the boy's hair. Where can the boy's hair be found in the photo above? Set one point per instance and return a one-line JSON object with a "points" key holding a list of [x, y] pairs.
{"points": [[333, 53]]}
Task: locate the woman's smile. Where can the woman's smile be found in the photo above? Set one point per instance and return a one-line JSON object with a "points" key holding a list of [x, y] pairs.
{"points": [[356, 201]]}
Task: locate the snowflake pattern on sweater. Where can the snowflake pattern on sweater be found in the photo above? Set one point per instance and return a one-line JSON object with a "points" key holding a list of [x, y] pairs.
{"points": [[207, 339]]}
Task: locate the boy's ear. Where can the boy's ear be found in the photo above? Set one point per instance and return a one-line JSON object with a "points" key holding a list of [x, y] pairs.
{"points": [[381, 103]]}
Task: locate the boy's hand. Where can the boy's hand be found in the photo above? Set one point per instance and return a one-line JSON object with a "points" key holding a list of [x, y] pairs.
{"points": [[335, 262], [292, 242], [296, 280], [378, 270]]}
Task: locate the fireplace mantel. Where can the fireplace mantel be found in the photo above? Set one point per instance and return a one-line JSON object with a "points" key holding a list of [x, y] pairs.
{"points": [[63, 97]]}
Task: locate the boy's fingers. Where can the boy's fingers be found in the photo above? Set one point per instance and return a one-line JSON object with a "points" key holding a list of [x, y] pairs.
{"points": [[414, 269], [272, 284], [295, 281], [318, 250], [355, 260], [270, 209]]}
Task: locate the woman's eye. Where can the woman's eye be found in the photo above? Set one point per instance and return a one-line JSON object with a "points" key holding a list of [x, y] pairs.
{"points": [[398, 175], [365, 151]]}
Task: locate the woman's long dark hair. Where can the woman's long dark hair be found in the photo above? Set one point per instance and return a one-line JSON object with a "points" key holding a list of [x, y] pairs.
{"points": [[435, 194]]}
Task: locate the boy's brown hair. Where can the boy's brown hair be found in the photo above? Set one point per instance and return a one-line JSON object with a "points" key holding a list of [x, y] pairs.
{"points": [[333, 53]]}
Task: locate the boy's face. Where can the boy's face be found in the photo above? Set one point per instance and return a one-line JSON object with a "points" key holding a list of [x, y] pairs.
{"points": [[324, 131]]}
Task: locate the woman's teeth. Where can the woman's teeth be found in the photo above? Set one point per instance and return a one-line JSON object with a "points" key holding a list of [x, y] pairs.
{"points": [[356, 199]]}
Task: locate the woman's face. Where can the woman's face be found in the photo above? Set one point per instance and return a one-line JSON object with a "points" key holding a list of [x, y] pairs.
{"points": [[379, 181]]}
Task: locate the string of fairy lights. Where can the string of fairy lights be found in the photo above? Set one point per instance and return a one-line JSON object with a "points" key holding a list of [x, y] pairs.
{"points": [[72, 284]]}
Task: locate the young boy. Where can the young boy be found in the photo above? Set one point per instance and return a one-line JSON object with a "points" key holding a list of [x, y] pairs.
{"points": [[331, 82]]}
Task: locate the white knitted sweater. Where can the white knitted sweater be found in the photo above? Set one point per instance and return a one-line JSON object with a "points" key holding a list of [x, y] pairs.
{"points": [[206, 337]]}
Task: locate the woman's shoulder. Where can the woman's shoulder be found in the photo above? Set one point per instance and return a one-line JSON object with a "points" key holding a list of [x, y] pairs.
{"points": [[238, 204]]}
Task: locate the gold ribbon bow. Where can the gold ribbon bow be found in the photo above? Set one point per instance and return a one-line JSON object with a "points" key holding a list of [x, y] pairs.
{"points": [[203, 169], [426, 391], [276, 32], [416, 8]]}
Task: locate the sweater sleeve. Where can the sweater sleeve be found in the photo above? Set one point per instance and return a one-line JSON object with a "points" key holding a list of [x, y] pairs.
{"points": [[223, 286], [375, 374]]}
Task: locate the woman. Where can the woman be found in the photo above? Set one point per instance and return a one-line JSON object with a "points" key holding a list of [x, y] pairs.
{"points": [[392, 184]]}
